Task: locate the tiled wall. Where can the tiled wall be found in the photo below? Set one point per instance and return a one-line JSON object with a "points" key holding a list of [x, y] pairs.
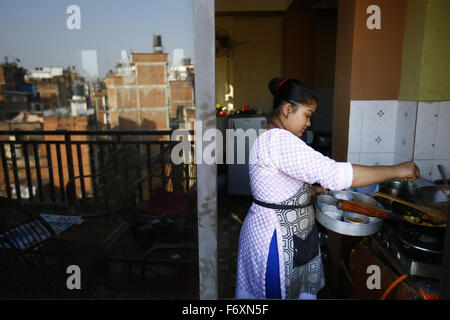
{"points": [[390, 132], [432, 145]]}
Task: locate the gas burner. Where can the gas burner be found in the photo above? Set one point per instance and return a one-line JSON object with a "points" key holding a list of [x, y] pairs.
{"points": [[411, 251], [421, 241]]}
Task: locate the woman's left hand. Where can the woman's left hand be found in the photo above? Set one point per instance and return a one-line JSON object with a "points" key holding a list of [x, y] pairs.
{"points": [[317, 190]]}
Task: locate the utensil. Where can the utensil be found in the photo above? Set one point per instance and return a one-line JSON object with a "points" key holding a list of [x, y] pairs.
{"points": [[325, 199], [383, 214], [367, 210], [335, 213], [431, 214], [344, 195], [350, 229], [353, 217], [443, 175], [327, 204]]}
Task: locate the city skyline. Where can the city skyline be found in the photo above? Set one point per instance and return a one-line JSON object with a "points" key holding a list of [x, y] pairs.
{"points": [[36, 32]]}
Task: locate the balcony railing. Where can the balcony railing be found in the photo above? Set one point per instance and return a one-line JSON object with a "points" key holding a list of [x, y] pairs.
{"points": [[37, 165]]}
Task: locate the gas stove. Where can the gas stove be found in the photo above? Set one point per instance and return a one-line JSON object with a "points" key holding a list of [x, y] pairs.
{"points": [[411, 252]]}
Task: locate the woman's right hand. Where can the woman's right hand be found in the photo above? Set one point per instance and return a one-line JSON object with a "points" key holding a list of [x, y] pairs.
{"points": [[407, 170]]}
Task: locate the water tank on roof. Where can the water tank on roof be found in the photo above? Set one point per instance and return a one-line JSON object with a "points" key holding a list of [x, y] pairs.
{"points": [[157, 40], [157, 43]]}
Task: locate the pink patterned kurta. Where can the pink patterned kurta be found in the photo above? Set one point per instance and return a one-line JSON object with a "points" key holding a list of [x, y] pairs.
{"points": [[281, 169]]}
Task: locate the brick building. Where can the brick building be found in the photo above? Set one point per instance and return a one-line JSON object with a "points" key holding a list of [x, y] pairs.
{"points": [[99, 101], [182, 103], [140, 99], [50, 94], [15, 95], [37, 122], [79, 123], [140, 96], [56, 86]]}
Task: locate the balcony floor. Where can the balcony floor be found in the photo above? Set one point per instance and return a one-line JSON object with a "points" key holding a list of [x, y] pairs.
{"points": [[123, 280]]}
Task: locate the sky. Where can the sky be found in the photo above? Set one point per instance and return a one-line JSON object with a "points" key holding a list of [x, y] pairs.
{"points": [[36, 32]]}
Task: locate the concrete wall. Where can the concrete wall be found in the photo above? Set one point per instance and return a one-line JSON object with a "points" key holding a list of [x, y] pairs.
{"points": [[426, 53], [412, 50], [377, 54], [399, 114], [256, 63], [298, 45], [341, 109], [324, 68]]}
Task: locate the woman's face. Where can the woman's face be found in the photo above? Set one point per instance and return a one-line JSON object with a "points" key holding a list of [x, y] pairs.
{"points": [[299, 120]]}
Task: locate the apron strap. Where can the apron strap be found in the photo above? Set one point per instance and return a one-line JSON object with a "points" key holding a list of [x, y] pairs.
{"points": [[281, 206]]}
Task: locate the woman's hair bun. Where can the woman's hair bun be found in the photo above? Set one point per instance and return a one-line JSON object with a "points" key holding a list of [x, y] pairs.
{"points": [[274, 84]]}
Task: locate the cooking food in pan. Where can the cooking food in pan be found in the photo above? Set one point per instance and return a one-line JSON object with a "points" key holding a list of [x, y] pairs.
{"points": [[421, 222]]}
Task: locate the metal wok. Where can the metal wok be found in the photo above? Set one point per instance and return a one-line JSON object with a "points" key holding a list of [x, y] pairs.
{"points": [[429, 196], [433, 196], [401, 210]]}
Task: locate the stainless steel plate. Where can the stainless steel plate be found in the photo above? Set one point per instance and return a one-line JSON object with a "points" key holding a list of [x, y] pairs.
{"points": [[350, 229]]}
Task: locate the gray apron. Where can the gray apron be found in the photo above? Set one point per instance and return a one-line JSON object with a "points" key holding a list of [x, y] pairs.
{"points": [[301, 247]]}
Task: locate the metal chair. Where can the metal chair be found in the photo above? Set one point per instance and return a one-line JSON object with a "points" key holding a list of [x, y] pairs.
{"points": [[31, 264]]}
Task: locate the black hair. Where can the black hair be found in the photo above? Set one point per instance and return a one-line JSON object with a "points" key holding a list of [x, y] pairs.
{"points": [[291, 91]]}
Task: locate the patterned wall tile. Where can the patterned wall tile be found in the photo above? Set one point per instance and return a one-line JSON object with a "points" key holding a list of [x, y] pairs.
{"points": [[378, 126], [426, 168], [399, 158], [405, 128], [442, 149], [353, 157], [426, 127], [357, 110], [400, 131], [376, 158]]}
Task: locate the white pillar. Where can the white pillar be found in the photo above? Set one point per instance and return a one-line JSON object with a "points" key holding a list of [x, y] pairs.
{"points": [[204, 47]]}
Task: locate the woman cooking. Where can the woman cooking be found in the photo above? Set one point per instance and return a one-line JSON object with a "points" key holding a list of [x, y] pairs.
{"points": [[279, 254]]}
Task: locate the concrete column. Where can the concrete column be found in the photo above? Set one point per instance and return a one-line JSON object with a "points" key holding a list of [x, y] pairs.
{"points": [[204, 46]]}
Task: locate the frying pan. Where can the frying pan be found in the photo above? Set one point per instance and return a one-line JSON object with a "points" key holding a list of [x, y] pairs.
{"points": [[428, 213], [433, 197], [383, 214]]}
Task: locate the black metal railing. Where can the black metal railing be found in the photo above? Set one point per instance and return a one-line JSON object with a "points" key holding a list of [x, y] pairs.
{"points": [[37, 165]]}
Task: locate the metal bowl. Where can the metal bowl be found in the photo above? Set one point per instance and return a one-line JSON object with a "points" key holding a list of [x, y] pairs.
{"points": [[327, 200], [333, 213], [327, 204], [352, 217], [364, 199], [343, 195]]}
